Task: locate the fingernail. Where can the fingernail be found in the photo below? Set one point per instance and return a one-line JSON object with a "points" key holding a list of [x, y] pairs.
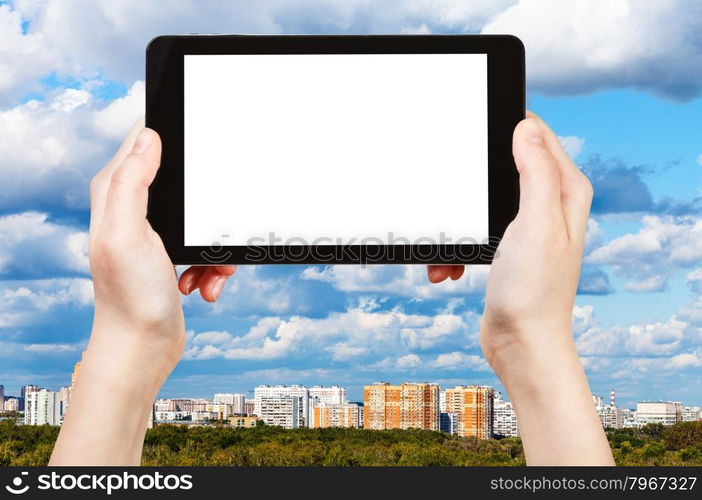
{"points": [[432, 272], [532, 132], [191, 286], [218, 286], [143, 141]]}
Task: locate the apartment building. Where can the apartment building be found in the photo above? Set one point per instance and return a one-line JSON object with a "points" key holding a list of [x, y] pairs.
{"points": [[236, 401], [282, 391], [448, 423], [473, 405], [42, 407], [328, 395], [337, 415], [406, 406], [505, 420], [12, 404], [659, 412], [242, 422], [691, 414], [283, 411]]}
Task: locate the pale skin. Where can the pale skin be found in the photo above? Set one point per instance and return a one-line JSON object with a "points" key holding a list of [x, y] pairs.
{"points": [[138, 331]]}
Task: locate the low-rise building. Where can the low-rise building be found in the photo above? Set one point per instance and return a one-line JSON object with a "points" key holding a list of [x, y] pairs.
{"points": [[242, 422], [659, 412], [691, 414]]}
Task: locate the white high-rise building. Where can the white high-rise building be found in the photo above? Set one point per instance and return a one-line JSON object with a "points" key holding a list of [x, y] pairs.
{"points": [[235, 400], [442, 401], [659, 412], [505, 418], [278, 391], [691, 414], [42, 407], [333, 395], [283, 411]]}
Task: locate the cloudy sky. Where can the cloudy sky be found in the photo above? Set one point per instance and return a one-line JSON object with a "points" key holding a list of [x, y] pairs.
{"points": [[620, 82]]}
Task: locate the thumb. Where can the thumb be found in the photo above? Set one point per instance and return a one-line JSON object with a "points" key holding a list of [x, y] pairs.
{"points": [[539, 183], [128, 193]]}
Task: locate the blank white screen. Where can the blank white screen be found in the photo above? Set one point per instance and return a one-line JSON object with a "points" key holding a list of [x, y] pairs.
{"points": [[347, 147]]}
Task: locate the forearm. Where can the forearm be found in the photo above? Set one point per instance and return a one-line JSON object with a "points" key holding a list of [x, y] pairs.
{"points": [[111, 402], [553, 403]]}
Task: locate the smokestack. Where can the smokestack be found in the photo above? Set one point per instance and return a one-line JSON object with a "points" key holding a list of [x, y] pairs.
{"points": [[611, 398]]}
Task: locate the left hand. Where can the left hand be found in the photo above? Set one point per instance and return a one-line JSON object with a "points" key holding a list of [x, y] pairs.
{"points": [[136, 290]]}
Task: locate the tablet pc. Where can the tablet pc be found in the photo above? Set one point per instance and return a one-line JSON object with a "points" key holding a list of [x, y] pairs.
{"points": [[281, 149]]}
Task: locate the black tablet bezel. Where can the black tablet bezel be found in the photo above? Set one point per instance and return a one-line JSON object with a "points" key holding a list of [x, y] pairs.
{"points": [[164, 114]]}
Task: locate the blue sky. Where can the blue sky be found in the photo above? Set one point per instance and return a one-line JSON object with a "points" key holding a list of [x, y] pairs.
{"points": [[621, 84]]}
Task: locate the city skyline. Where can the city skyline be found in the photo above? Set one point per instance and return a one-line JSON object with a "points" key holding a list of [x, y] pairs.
{"points": [[464, 410], [628, 118], [248, 391]]}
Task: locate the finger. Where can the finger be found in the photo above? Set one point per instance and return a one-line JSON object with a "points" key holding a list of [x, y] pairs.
{"points": [[211, 283], [128, 193], [438, 273], [226, 270], [189, 280], [576, 190], [539, 182], [101, 182], [457, 272]]}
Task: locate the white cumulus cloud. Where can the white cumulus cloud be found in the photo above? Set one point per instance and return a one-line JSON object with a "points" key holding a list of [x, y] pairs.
{"points": [[51, 148], [648, 258], [408, 281], [360, 332], [34, 246], [577, 46]]}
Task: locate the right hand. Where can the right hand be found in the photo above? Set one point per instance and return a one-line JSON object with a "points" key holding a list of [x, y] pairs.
{"points": [[532, 284]]}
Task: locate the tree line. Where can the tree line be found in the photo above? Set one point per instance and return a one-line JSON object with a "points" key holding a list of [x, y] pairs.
{"points": [[654, 444]]}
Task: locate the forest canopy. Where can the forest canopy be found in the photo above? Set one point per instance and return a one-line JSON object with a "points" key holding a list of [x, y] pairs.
{"points": [[654, 444]]}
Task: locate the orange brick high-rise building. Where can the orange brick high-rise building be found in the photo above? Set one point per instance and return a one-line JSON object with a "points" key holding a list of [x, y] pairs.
{"points": [[405, 406], [473, 407]]}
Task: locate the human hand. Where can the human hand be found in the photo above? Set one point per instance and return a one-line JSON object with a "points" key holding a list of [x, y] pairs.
{"points": [[136, 294], [526, 332], [138, 328], [532, 284]]}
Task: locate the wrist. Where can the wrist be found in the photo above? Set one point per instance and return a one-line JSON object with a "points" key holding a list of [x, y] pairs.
{"points": [[160, 342], [532, 370], [529, 354], [123, 377], [130, 359]]}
